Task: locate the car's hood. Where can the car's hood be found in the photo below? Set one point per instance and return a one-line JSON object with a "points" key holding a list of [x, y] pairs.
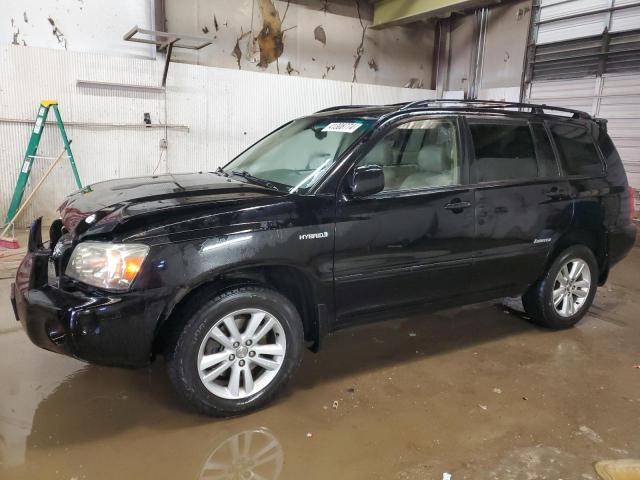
{"points": [[115, 200]]}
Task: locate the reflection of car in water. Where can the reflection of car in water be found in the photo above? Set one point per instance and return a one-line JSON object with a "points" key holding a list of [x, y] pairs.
{"points": [[252, 454], [121, 436], [339, 218]]}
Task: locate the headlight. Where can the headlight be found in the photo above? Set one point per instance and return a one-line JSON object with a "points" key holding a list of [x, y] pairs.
{"points": [[110, 266]]}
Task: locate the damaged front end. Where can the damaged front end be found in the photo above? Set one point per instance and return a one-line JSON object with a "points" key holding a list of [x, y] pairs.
{"points": [[63, 315]]}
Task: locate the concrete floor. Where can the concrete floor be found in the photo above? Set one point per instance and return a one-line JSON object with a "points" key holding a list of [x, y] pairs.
{"points": [[475, 392]]}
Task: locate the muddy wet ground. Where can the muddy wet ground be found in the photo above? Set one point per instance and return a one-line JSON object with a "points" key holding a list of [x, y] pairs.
{"points": [[475, 392]]}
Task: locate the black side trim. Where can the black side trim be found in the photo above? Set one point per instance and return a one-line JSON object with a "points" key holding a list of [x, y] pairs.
{"points": [[322, 328]]}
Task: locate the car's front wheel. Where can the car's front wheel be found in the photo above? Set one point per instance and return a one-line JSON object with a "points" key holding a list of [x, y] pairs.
{"points": [[236, 351], [566, 291]]}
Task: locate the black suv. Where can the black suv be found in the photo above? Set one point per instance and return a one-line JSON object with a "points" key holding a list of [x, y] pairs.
{"points": [[346, 216]]}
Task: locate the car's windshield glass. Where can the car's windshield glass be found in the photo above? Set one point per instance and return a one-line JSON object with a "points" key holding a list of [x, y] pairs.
{"points": [[295, 157]]}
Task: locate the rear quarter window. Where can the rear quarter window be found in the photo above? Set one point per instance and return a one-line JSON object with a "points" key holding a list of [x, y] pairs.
{"points": [[577, 150], [547, 164], [612, 160]]}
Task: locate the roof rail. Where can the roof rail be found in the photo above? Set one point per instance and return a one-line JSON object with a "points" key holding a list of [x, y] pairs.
{"points": [[344, 107], [535, 108]]}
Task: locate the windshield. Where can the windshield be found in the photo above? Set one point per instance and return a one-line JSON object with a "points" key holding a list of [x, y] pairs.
{"points": [[294, 157]]}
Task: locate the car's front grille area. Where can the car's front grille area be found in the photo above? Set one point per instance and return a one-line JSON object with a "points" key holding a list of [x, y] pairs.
{"points": [[61, 252]]}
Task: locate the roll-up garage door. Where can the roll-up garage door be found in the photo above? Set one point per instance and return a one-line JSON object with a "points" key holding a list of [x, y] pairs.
{"points": [[585, 54], [615, 97]]}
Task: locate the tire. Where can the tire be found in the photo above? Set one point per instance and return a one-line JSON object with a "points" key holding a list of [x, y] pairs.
{"points": [[539, 301], [207, 337]]}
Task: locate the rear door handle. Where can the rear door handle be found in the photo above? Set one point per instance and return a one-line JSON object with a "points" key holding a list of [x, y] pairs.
{"points": [[456, 205], [556, 193]]}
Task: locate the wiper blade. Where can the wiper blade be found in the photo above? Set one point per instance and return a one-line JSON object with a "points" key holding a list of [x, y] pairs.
{"points": [[258, 181]]}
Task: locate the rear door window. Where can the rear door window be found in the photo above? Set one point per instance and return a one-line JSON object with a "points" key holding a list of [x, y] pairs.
{"points": [[577, 150], [507, 151]]}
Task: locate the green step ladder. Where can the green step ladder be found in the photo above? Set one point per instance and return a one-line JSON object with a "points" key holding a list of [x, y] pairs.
{"points": [[31, 156]]}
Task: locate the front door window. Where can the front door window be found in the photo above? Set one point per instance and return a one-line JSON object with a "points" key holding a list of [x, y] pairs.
{"points": [[418, 154]]}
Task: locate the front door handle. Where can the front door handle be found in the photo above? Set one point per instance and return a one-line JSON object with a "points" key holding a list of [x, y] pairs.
{"points": [[456, 205]]}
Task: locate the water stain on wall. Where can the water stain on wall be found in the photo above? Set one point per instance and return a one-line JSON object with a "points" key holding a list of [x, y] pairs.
{"points": [[270, 38], [328, 69], [237, 51], [58, 34], [360, 49], [16, 34], [320, 35], [291, 70]]}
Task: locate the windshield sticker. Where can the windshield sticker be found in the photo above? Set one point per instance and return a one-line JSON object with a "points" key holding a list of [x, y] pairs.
{"points": [[342, 127]]}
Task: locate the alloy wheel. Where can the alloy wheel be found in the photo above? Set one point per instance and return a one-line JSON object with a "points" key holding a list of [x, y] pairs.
{"points": [[242, 353], [571, 287]]}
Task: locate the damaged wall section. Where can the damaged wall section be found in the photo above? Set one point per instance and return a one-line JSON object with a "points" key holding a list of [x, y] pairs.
{"points": [[77, 25], [329, 39], [311, 38]]}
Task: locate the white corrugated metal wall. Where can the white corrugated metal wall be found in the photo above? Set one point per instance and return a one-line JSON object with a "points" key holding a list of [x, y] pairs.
{"points": [[215, 114], [614, 97], [586, 18]]}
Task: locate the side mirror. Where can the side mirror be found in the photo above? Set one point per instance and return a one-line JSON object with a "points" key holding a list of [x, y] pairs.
{"points": [[367, 180]]}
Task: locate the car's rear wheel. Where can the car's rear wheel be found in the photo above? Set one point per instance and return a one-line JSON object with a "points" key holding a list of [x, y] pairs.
{"points": [[236, 351], [566, 291]]}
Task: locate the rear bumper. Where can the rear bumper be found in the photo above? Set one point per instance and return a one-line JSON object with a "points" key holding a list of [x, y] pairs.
{"points": [[621, 241], [106, 329]]}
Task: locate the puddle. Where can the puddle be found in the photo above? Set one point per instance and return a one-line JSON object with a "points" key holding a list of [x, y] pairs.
{"points": [[407, 394]]}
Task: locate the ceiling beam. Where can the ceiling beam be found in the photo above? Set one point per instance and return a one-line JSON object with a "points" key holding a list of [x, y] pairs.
{"points": [[397, 12]]}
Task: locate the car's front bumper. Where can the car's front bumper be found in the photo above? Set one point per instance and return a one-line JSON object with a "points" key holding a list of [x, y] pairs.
{"points": [[101, 328]]}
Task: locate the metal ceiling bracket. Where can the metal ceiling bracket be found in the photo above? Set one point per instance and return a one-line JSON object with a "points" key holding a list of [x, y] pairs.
{"points": [[166, 41], [167, 61]]}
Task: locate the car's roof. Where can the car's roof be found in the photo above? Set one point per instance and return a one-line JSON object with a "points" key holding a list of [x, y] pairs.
{"points": [[466, 107], [365, 111]]}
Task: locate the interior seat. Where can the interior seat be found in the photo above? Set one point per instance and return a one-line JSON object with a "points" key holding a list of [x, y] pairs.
{"points": [[434, 169], [382, 154]]}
